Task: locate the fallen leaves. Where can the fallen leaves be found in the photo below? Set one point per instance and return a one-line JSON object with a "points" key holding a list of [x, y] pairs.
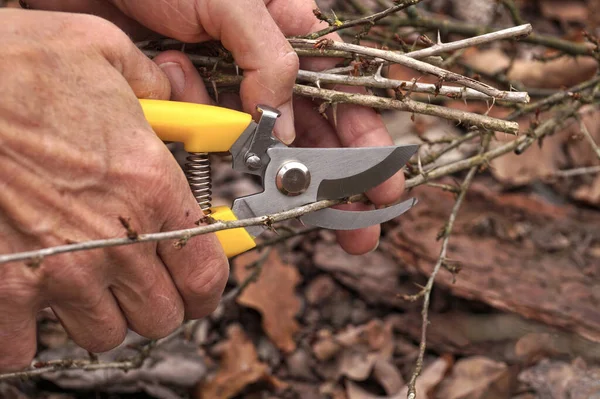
{"points": [[477, 378], [273, 295], [239, 367], [554, 379]]}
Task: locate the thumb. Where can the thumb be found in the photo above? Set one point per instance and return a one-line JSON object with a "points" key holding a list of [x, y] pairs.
{"points": [[145, 78]]}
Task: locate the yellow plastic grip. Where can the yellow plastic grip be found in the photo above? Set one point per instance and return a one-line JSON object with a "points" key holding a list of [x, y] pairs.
{"points": [[201, 128], [233, 241]]}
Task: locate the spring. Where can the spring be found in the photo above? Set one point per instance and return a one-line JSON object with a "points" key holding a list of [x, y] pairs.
{"points": [[197, 171]]}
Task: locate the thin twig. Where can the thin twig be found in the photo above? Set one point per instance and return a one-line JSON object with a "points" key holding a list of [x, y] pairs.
{"points": [[588, 170], [584, 130], [426, 291], [176, 234], [401, 5], [516, 32], [402, 59], [78, 364], [428, 88], [408, 105]]}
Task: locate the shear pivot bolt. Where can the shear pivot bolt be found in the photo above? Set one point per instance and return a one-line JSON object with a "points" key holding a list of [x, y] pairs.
{"points": [[293, 178]]}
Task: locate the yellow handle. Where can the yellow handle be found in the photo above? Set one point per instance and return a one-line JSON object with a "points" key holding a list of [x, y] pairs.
{"points": [[233, 241], [201, 128]]}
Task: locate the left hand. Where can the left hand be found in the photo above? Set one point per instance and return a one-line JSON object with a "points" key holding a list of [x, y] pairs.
{"points": [[251, 33]]}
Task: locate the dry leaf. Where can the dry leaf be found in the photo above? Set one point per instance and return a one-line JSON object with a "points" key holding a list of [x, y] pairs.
{"points": [[430, 378], [374, 276], [273, 295], [355, 351], [239, 368], [563, 380], [477, 378]]}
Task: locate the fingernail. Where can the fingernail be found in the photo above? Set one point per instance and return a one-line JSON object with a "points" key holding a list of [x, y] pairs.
{"points": [[176, 76], [376, 247], [284, 128]]}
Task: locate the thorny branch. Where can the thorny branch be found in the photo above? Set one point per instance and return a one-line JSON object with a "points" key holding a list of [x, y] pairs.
{"points": [[336, 24], [425, 293]]}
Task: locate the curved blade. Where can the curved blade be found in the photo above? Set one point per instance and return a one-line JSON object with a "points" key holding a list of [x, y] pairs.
{"points": [[336, 219], [367, 179]]}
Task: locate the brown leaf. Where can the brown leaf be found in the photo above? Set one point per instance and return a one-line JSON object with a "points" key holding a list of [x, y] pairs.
{"points": [[355, 351], [477, 378], [374, 276], [563, 380], [239, 367], [430, 378], [273, 295]]}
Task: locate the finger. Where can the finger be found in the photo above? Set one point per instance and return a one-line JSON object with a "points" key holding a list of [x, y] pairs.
{"points": [[246, 28], [18, 323], [361, 241], [101, 9], [145, 291], [186, 83], [87, 309], [199, 267], [93, 322]]}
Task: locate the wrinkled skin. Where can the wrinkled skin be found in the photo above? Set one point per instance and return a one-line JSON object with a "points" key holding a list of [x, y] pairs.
{"points": [[76, 154]]}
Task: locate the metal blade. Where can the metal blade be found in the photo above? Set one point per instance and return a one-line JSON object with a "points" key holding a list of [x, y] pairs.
{"points": [[357, 183], [336, 219]]}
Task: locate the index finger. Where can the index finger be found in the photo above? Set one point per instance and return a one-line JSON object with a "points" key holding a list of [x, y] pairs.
{"points": [[245, 28]]}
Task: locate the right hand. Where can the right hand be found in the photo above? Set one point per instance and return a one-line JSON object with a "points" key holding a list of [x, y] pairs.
{"points": [[76, 153]]}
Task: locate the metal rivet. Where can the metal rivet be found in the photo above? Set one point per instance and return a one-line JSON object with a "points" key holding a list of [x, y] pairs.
{"points": [[293, 178], [253, 161]]}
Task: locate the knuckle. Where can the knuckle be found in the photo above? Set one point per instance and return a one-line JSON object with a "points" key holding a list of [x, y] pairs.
{"points": [[209, 279], [111, 337], [99, 30], [289, 64], [164, 320]]}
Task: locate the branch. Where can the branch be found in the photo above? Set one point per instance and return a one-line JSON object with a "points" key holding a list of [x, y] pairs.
{"points": [[402, 59], [401, 5], [184, 234], [447, 25], [406, 104], [516, 32], [428, 88], [78, 364], [426, 291], [546, 128], [588, 170]]}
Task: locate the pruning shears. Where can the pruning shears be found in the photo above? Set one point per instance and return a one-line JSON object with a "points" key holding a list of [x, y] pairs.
{"points": [[291, 177]]}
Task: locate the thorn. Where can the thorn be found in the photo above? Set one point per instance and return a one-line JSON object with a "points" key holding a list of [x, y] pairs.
{"points": [[214, 85], [439, 38], [377, 76], [237, 70], [334, 108], [318, 83]]}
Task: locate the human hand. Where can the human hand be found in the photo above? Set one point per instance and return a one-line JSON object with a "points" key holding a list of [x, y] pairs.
{"points": [[76, 153], [253, 30]]}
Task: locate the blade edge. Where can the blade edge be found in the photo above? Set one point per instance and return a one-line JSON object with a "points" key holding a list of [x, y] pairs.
{"points": [[372, 177], [337, 219]]}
